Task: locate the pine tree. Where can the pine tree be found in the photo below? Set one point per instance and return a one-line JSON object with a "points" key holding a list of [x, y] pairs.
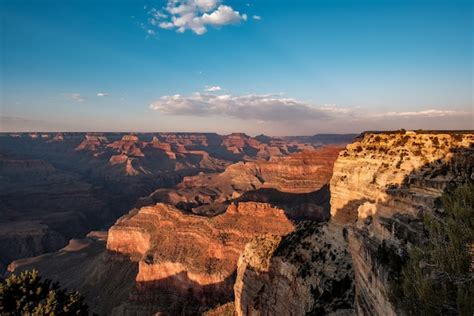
{"points": [[29, 294]]}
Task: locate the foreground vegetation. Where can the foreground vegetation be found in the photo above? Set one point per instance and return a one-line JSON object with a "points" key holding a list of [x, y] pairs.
{"points": [[438, 277], [29, 294]]}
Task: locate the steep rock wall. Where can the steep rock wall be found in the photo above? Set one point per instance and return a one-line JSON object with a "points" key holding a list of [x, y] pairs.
{"points": [[306, 272], [382, 185]]}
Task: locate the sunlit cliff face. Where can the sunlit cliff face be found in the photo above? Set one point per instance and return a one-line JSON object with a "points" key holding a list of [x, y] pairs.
{"points": [[181, 251]]}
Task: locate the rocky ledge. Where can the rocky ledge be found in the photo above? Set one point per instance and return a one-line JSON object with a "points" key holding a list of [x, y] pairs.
{"points": [[187, 256]]}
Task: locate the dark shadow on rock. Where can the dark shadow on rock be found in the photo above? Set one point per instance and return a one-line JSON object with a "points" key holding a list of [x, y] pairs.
{"points": [[348, 213], [297, 206], [180, 295], [104, 278]]}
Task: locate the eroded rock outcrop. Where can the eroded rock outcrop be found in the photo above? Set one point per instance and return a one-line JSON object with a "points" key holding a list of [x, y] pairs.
{"points": [[382, 185], [187, 256], [282, 182], [306, 272]]}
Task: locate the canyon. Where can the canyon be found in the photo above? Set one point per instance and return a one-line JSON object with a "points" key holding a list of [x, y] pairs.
{"points": [[183, 242], [261, 226], [382, 186], [59, 186]]}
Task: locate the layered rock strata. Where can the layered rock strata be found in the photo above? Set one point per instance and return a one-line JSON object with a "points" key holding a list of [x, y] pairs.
{"points": [[298, 177], [382, 185], [187, 256], [57, 186]]}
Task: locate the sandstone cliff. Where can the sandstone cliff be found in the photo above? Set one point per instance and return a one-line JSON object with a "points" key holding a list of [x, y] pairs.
{"points": [[382, 185], [184, 257]]}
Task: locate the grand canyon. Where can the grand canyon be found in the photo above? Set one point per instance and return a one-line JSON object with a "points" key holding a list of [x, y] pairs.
{"points": [[236, 158], [193, 224]]}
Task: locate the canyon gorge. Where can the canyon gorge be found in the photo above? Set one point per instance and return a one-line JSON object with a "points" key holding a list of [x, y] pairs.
{"points": [[188, 223], [58, 186]]}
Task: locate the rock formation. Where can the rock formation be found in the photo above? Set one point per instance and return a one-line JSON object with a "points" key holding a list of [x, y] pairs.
{"points": [[93, 143], [298, 177], [306, 272], [57, 186], [382, 185], [160, 259], [211, 236], [183, 255]]}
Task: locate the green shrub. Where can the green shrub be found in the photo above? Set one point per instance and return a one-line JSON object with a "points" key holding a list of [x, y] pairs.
{"points": [[28, 294], [436, 280]]}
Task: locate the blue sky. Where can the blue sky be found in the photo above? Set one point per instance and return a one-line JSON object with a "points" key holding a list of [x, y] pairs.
{"points": [[277, 67]]}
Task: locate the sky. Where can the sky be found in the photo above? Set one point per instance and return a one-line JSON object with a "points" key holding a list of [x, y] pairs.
{"points": [[276, 67]]}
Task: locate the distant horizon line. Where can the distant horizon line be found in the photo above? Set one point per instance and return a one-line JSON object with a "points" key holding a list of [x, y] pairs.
{"points": [[233, 133]]}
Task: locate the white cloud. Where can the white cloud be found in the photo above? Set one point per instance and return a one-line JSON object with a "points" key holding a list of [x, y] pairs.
{"points": [[194, 15], [206, 5], [257, 17], [252, 106], [332, 108], [423, 113], [223, 15], [212, 88], [102, 94], [280, 115], [75, 97]]}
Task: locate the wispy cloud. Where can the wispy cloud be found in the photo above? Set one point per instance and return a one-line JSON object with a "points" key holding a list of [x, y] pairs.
{"points": [[257, 17], [280, 112], [194, 15], [252, 106], [77, 97], [14, 119], [212, 88], [422, 113], [102, 94], [333, 108], [150, 32]]}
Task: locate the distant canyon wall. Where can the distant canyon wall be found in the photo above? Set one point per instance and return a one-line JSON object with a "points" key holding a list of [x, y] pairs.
{"points": [[58, 186]]}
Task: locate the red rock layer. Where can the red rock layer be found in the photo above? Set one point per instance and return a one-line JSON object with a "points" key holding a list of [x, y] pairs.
{"points": [[209, 194], [184, 253]]}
